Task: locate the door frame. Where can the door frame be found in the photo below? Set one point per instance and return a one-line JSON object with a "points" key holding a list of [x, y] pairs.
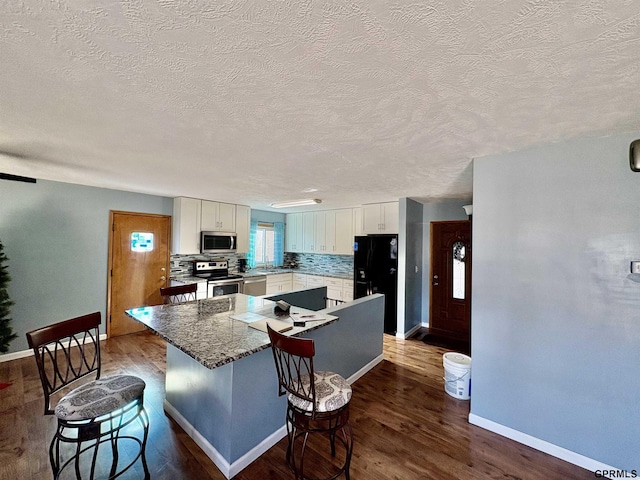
{"points": [[112, 213]]}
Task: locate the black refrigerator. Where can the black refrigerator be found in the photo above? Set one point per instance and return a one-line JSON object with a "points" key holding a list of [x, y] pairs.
{"points": [[376, 271]]}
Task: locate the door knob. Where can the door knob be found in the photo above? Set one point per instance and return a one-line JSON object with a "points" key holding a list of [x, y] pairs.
{"points": [[163, 269], [163, 278]]}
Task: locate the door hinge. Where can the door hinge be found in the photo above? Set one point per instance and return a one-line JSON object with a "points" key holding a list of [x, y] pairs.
{"points": [[111, 273], [113, 227], [109, 318]]}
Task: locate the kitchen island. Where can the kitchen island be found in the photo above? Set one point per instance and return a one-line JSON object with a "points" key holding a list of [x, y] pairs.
{"points": [[221, 383]]}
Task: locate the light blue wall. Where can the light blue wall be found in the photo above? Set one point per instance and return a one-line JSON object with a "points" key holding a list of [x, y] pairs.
{"points": [[56, 236], [436, 212], [267, 217], [555, 313], [409, 257]]}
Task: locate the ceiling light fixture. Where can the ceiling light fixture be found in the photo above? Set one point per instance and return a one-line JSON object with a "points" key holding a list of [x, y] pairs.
{"points": [[296, 203]]}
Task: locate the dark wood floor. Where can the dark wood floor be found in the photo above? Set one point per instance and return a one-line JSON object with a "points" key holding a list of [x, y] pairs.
{"points": [[405, 426]]}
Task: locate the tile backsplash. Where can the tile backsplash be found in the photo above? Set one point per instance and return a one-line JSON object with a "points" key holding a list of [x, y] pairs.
{"points": [[181, 265], [322, 264]]}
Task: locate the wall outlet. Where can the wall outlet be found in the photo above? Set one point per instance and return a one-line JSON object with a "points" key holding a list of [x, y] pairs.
{"points": [[635, 266]]}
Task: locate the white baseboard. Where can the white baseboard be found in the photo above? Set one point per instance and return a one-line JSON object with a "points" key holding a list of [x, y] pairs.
{"points": [[365, 369], [409, 333], [227, 469], [542, 445], [28, 353]]}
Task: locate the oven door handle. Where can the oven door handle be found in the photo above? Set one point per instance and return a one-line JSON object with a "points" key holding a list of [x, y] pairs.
{"points": [[230, 281]]}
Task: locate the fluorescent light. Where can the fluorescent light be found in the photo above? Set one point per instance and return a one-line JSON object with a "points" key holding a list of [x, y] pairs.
{"points": [[296, 203]]}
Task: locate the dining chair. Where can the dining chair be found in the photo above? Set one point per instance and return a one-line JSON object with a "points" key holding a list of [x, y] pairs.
{"points": [[179, 293], [317, 402], [99, 411]]}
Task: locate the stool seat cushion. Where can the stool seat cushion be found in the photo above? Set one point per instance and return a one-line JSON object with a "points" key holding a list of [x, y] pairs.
{"points": [[332, 393], [99, 397]]}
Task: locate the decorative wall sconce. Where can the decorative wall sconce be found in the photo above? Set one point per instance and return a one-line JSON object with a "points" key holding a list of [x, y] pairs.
{"points": [[634, 155]]}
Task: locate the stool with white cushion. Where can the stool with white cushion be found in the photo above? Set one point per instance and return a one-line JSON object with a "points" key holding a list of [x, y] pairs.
{"points": [[318, 406], [99, 411]]}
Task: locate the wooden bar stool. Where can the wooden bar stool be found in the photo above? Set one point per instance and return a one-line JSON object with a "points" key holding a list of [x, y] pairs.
{"points": [[179, 294], [93, 413], [317, 402]]}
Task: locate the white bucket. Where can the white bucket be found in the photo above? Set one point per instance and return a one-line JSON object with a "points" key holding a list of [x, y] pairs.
{"points": [[457, 375]]}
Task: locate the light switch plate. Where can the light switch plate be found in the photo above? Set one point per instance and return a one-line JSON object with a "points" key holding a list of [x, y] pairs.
{"points": [[635, 266]]}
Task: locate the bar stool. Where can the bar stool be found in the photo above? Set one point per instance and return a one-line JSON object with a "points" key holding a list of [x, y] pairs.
{"points": [[95, 412], [317, 402], [179, 294]]}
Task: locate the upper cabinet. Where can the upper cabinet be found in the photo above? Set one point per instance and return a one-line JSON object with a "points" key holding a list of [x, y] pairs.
{"points": [[344, 231], [380, 218], [192, 215], [334, 231], [357, 221], [293, 233], [329, 231], [185, 231], [308, 232], [218, 216], [243, 226]]}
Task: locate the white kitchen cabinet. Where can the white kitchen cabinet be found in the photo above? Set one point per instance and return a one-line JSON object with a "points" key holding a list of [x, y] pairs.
{"points": [[185, 226], [334, 288], [380, 218], [319, 232], [299, 281], [343, 244], [217, 216], [314, 281], [243, 226], [294, 239], [279, 282], [333, 232], [357, 221], [308, 232], [347, 290]]}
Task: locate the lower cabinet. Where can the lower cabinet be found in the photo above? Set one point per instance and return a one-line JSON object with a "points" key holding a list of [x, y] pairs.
{"points": [[314, 281], [280, 282], [338, 289], [299, 281], [347, 290], [334, 289]]}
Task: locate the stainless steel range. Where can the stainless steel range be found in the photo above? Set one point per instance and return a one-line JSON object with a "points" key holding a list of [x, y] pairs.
{"points": [[216, 271]]}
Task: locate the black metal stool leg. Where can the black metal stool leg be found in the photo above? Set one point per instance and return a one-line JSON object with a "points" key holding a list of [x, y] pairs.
{"points": [[114, 448], [144, 418]]}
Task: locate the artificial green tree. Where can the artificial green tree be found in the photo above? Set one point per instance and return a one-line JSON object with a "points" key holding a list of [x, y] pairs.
{"points": [[6, 333]]}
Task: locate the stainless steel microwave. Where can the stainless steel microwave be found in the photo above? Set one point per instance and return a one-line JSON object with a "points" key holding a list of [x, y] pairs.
{"points": [[217, 242]]}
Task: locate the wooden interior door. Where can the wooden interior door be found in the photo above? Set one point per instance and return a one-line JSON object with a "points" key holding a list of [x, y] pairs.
{"points": [[138, 266], [450, 298]]}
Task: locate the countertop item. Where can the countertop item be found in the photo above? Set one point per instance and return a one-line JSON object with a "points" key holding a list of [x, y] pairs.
{"points": [[207, 331]]}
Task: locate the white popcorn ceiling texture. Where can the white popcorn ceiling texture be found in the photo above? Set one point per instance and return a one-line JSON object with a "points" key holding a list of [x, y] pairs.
{"points": [[256, 101]]}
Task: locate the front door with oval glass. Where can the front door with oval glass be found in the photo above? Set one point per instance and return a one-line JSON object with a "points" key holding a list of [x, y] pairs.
{"points": [[450, 293]]}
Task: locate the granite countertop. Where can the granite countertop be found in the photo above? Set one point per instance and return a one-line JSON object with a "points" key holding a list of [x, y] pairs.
{"points": [[206, 331]]}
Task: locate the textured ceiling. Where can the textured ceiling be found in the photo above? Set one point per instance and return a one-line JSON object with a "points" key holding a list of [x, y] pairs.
{"points": [[257, 101]]}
